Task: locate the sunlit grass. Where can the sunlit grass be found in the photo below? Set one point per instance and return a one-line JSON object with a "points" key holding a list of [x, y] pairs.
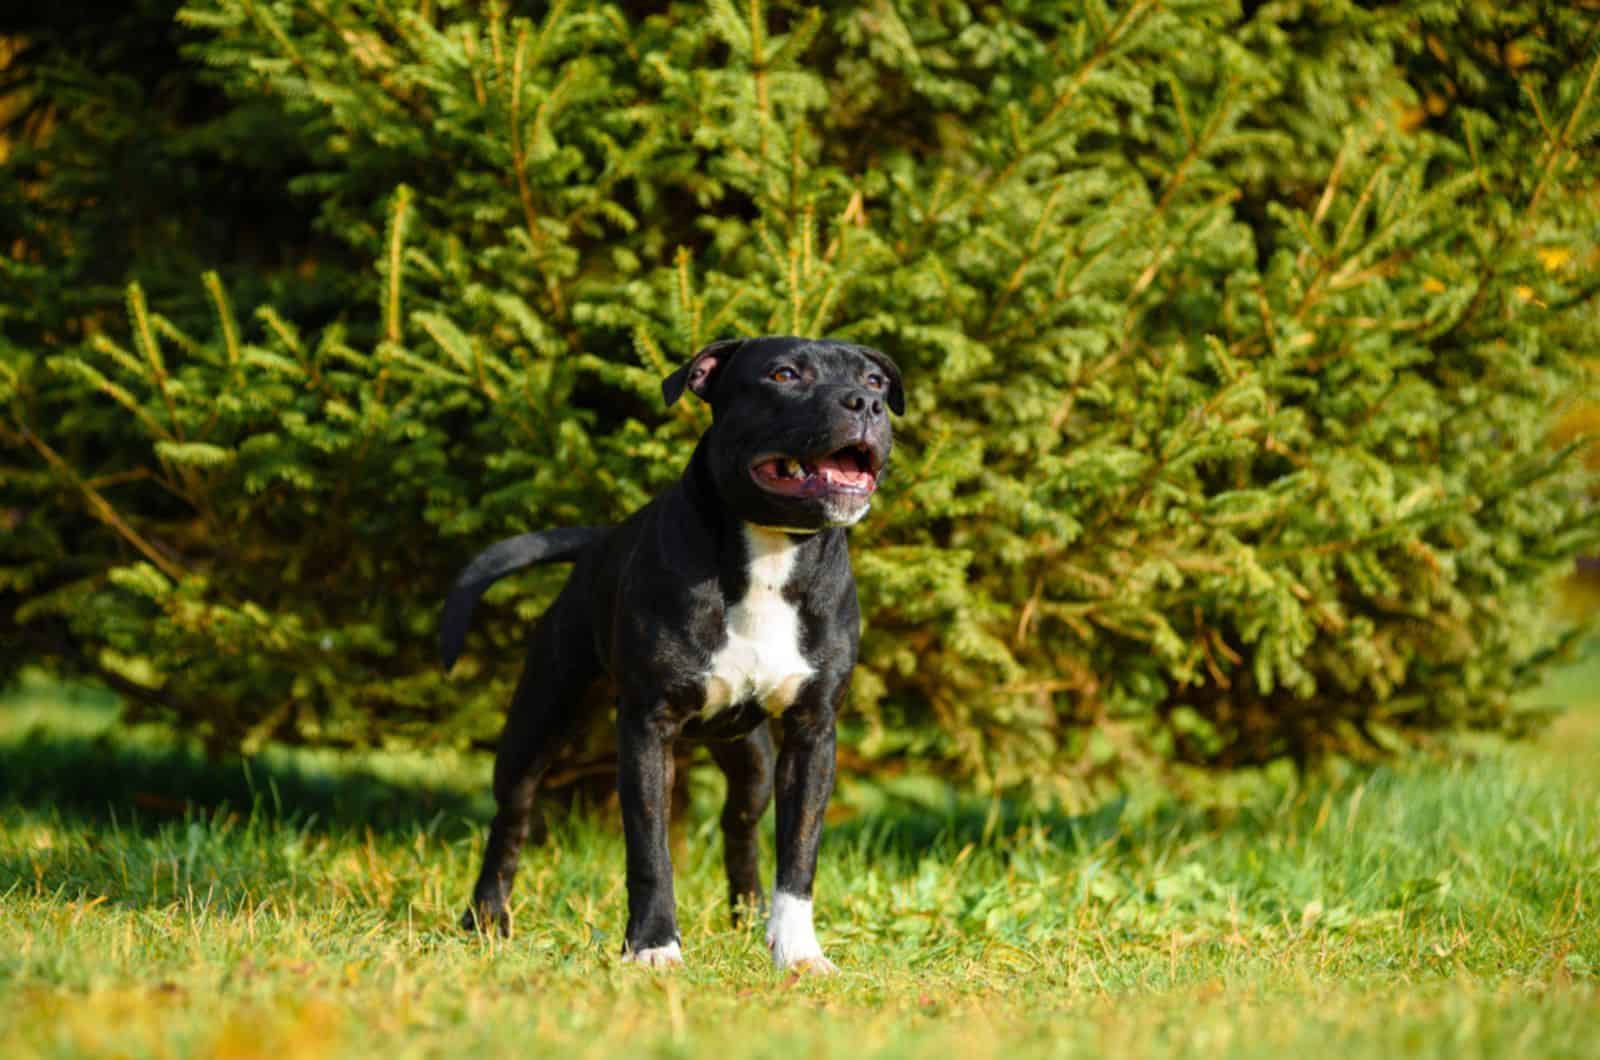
{"points": [[1421, 910]]}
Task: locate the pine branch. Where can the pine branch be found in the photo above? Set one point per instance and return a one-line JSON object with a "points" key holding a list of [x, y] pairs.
{"points": [[103, 509]]}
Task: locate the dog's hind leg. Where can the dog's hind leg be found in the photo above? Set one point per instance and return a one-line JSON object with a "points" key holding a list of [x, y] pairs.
{"points": [[545, 713], [748, 765]]}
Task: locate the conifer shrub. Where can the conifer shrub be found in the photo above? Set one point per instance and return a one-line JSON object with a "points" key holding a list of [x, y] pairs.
{"points": [[1232, 337]]}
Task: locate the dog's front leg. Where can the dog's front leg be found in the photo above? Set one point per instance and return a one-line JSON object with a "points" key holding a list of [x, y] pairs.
{"points": [[748, 765], [644, 783], [805, 780]]}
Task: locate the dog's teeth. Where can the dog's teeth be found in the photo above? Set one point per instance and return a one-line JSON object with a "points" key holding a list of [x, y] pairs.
{"points": [[792, 467]]}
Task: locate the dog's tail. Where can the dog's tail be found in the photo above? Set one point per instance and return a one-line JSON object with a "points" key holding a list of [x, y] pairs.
{"points": [[494, 563]]}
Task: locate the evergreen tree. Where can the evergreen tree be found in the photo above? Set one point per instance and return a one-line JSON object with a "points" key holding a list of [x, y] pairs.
{"points": [[1232, 338]]}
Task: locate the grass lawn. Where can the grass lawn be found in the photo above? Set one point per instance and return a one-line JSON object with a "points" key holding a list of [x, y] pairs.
{"points": [[307, 909]]}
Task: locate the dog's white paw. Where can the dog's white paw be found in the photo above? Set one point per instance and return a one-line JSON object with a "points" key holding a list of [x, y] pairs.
{"points": [[668, 956], [792, 938], [818, 965]]}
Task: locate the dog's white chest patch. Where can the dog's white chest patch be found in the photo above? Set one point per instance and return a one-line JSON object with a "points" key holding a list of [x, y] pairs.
{"points": [[761, 659]]}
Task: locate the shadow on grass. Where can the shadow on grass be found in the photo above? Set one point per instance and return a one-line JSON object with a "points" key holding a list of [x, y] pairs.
{"points": [[100, 780], [99, 776], [909, 829]]}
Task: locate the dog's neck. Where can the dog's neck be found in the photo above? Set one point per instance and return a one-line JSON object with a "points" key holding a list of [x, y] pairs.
{"points": [[736, 537]]}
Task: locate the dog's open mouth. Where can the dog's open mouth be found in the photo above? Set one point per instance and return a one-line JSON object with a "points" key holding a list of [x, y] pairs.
{"points": [[852, 469]]}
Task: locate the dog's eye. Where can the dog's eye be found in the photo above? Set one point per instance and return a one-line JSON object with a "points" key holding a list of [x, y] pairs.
{"points": [[876, 381], [784, 374]]}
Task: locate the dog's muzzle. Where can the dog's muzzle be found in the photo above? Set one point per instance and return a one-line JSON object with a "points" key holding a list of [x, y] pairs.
{"points": [[848, 471]]}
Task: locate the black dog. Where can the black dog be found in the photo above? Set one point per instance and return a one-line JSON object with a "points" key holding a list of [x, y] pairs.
{"points": [[723, 603]]}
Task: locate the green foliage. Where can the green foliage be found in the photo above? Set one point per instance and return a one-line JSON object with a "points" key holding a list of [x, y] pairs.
{"points": [[1231, 338], [122, 160]]}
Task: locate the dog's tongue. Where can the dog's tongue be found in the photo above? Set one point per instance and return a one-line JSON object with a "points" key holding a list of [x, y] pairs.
{"points": [[841, 470]]}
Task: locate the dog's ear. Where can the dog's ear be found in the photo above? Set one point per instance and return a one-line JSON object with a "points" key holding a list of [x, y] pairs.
{"points": [[701, 370], [897, 393]]}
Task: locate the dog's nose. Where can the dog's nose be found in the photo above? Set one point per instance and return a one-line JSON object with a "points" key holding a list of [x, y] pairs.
{"points": [[860, 401]]}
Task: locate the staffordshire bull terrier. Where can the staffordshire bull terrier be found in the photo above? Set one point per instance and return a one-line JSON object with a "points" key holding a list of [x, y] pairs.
{"points": [[724, 606]]}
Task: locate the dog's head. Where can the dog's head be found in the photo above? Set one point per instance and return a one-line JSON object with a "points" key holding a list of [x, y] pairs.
{"points": [[800, 427]]}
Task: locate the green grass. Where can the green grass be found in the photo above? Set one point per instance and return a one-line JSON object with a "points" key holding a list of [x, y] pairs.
{"points": [[306, 909]]}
